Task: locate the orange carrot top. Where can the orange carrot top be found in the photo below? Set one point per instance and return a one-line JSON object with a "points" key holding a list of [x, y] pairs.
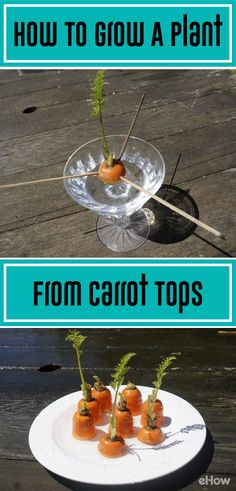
{"points": [[133, 398], [111, 448], [157, 408], [102, 394], [111, 173], [151, 434], [124, 419], [83, 424]]}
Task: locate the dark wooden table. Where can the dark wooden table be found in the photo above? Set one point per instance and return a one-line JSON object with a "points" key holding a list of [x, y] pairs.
{"points": [[44, 117], [204, 374]]}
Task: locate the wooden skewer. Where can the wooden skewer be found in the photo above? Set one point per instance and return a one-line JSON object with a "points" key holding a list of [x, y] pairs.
{"points": [[50, 179], [173, 208], [130, 129]]}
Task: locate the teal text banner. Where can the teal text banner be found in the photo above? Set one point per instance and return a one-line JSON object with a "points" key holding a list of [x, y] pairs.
{"points": [[119, 292], [118, 34]]}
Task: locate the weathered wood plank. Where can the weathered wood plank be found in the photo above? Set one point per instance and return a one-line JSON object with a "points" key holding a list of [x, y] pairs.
{"points": [[69, 129], [116, 338], [149, 357], [25, 349], [201, 387], [23, 473], [193, 100], [21, 82], [20, 475]]}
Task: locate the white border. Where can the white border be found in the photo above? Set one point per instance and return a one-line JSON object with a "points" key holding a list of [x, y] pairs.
{"points": [[5, 319], [5, 60]]}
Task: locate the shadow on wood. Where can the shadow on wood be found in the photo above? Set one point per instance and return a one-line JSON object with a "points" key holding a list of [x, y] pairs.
{"points": [[173, 482], [168, 226]]}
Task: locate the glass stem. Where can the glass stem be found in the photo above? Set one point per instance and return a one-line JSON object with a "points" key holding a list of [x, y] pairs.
{"points": [[123, 222]]}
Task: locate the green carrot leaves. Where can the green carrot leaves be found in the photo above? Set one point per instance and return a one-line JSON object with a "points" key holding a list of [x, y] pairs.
{"points": [[120, 371], [160, 374], [151, 417], [76, 339], [117, 379], [97, 93], [98, 99]]}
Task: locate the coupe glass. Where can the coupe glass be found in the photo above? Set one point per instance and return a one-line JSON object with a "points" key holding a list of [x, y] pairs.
{"points": [[122, 224]]}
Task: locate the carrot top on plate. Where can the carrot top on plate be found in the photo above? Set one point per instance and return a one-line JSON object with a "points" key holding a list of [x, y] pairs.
{"points": [[83, 424], [93, 404], [157, 404], [124, 419], [102, 394], [77, 340], [133, 398], [151, 434], [118, 376], [112, 444]]}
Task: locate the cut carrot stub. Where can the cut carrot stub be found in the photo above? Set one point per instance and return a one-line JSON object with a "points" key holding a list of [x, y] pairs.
{"points": [[83, 424], [110, 174], [112, 444], [104, 397], [151, 436], [102, 394], [94, 408], [133, 399], [158, 411], [123, 419], [112, 448], [124, 422]]}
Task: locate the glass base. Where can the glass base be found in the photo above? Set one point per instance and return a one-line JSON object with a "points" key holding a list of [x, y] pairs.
{"points": [[123, 234]]}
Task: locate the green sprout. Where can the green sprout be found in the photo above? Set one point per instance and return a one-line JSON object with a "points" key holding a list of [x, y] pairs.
{"points": [[76, 339], [98, 100], [160, 374], [151, 416], [117, 380]]}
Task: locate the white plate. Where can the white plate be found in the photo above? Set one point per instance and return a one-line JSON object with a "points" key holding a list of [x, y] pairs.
{"points": [[52, 444]]}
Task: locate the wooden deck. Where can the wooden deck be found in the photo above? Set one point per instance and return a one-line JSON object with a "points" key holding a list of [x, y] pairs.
{"points": [[204, 374], [44, 117]]}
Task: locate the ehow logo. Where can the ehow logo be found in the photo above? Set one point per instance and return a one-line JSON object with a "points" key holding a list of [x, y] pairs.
{"points": [[214, 481]]}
